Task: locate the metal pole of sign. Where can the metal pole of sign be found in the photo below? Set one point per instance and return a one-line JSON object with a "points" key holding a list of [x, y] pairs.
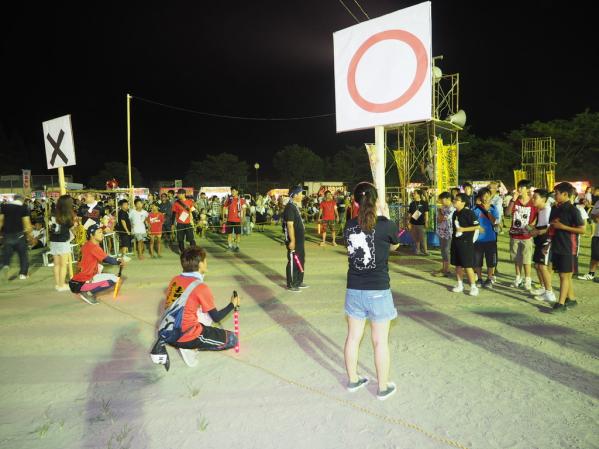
{"points": [[129, 145], [379, 141]]}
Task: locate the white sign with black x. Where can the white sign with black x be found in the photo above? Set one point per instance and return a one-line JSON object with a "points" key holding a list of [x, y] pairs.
{"points": [[58, 138]]}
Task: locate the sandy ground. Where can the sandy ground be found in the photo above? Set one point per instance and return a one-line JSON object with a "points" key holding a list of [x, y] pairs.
{"points": [[496, 371]]}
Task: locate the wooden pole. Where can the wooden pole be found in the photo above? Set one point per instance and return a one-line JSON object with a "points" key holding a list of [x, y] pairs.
{"points": [[129, 145], [379, 141], [62, 185]]}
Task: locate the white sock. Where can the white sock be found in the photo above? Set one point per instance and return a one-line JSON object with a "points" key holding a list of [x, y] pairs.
{"points": [[528, 280], [460, 284], [518, 278]]}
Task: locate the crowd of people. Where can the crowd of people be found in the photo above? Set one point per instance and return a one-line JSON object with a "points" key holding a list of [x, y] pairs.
{"points": [[544, 230]]}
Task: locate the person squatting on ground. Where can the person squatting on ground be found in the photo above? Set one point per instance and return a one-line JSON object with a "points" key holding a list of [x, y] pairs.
{"points": [[541, 258], [565, 223], [485, 247], [234, 205], [594, 215], [369, 239], [15, 225], [328, 217], [60, 240], [182, 210], [465, 224], [196, 331], [418, 211], [293, 228], [138, 217], [444, 229], [524, 216], [90, 280]]}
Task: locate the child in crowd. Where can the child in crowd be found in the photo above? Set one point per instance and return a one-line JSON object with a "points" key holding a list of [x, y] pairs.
{"points": [[123, 227], [594, 246], [444, 230], [138, 217], [89, 280], [155, 223], [566, 223], [541, 240], [462, 244], [485, 246], [202, 223], [524, 216]]}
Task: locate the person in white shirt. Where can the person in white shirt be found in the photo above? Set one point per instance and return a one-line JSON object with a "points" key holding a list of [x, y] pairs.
{"points": [[138, 217], [594, 246]]}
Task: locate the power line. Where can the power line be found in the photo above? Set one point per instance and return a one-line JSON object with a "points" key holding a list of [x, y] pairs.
{"points": [[349, 11], [362, 9], [232, 117]]}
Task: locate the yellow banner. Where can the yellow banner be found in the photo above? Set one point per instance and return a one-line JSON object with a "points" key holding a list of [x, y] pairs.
{"points": [[446, 167], [371, 150], [401, 166], [519, 175], [550, 174]]}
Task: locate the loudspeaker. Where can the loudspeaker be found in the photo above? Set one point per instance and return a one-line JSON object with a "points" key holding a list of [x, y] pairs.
{"points": [[458, 119], [437, 74]]}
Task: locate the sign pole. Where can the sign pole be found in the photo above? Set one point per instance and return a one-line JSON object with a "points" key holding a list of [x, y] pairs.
{"points": [[129, 145], [379, 141], [61, 183]]}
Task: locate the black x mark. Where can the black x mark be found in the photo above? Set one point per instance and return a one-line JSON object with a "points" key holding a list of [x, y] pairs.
{"points": [[56, 146]]}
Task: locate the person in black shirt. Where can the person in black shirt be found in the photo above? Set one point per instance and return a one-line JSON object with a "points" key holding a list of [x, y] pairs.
{"points": [[418, 211], [465, 224], [15, 225], [293, 227], [369, 238], [123, 226], [469, 191], [91, 210], [565, 222]]}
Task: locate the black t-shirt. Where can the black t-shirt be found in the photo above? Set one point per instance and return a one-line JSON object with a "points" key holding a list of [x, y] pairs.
{"points": [[466, 219], [368, 254], [13, 217], [58, 232], [292, 213], [124, 216], [422, 207], [565, 242]]}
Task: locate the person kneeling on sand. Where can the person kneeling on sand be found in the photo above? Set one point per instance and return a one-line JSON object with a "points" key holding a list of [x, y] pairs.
{"points": [[198, 313], [90, 280]]}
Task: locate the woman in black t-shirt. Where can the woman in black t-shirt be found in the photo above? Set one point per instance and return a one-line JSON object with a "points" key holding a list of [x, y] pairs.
{"points": [[369, 238], [60, 240]]}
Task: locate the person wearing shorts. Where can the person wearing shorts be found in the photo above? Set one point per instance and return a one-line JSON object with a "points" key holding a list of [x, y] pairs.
{"points": [[234, 205], [60, 240], [369, 238], [123, 227], [594, 215], [328, 216], [565, 222], [138, 217], [524, 216], [541, 256], [485, 247], [465, 224]]}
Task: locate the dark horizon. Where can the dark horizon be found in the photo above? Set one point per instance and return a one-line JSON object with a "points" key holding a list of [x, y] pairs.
{"points": [[518, 62]]}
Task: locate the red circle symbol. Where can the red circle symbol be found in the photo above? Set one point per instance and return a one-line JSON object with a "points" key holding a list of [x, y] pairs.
{"points": [[421, 69]]}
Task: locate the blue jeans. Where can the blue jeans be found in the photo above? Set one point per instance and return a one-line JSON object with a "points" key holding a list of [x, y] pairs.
{"points": [[374, 305], [18, 243]]}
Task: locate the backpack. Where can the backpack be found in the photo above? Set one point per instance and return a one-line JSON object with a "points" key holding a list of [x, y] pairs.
{"points": [[169, 329]]}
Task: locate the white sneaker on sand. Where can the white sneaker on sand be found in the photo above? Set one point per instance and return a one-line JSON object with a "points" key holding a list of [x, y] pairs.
{"points": [[586, 277], [528, 285], [537, 292], [549, 297], [517, 283], [473, 290], [458, 288]]}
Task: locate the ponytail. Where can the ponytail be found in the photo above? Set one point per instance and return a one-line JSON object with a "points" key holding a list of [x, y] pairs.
{"points": [[365, 195]]}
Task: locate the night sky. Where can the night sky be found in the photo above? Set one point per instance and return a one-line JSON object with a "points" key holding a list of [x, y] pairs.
{"points": [[519, 61]]}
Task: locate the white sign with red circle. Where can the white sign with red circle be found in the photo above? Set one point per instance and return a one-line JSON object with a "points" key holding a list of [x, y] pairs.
{"points": [[382, 70]]}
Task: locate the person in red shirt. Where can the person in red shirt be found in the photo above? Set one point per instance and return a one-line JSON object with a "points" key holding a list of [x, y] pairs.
{"points": [[235, 208], [200, 311], [155, 222], [90, 279], [328, 216], [182, 214], [524, 217]]}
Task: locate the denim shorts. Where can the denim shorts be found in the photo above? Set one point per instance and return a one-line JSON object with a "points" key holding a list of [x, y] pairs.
{"points": [[374, 305]]}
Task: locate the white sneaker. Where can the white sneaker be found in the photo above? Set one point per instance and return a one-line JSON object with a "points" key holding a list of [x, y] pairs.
{"points": [[473, 290], [493, 279], [586, 277], [23, 276], [528, 285], [64, 288], [126, 259], [549, 297], [517, 283], [537, 292], [190, 356], [458, 288]]}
